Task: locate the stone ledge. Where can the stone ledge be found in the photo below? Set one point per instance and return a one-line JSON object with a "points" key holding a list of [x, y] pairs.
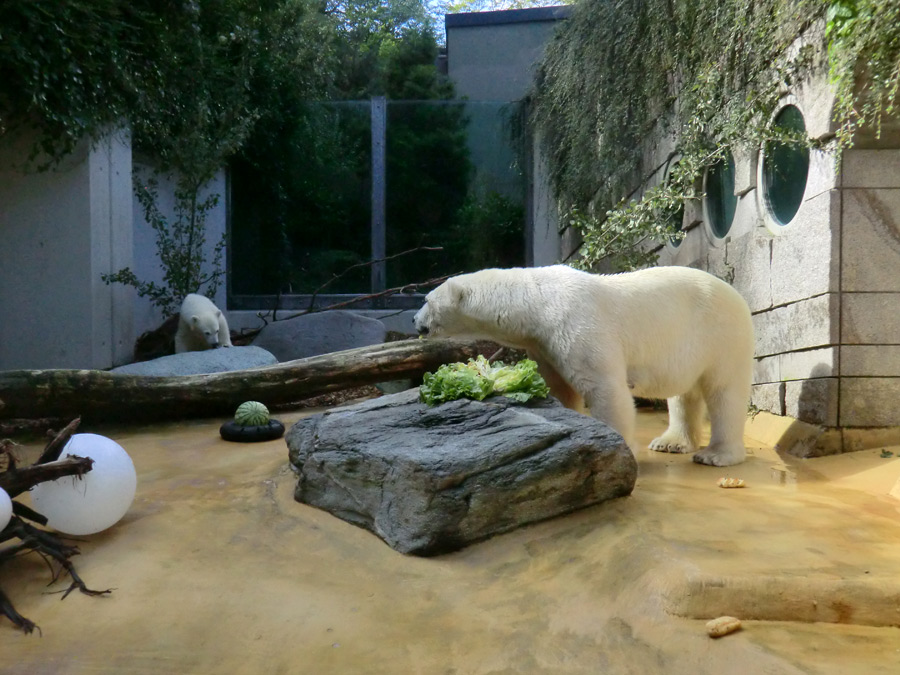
{"points": [[800, 439], [870, 401]]}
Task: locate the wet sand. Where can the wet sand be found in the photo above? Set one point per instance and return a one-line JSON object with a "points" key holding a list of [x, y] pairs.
{"points": [[216, 569]]}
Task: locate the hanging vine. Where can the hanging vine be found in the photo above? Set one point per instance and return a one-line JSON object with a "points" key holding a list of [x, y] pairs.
{"points": [[709, 73]]}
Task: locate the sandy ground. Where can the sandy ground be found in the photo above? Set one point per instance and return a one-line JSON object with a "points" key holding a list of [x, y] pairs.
{"points": [[217, 570]]}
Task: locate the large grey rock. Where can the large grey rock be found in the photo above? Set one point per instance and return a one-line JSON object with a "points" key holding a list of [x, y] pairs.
{"points": [[432, 480], [197, 363], [319, 333]]}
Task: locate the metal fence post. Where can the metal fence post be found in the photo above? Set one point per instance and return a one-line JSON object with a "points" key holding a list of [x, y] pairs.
{"points": [[379, 184]]}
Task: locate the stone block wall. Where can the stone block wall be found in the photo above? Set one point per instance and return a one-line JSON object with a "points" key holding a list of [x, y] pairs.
{"points": [[824, 289], [870, 283]]}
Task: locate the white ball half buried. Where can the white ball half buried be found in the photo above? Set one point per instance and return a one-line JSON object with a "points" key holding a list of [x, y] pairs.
{"points": [[98, 499], [5, 509]]}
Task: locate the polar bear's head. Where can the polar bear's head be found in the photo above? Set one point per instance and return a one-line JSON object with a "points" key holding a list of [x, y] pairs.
{"points": [[207, 326], [475, 306], [442, 312]]}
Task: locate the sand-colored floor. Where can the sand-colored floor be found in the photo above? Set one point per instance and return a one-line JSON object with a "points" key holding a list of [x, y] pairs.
{"points": [[218, 570]]}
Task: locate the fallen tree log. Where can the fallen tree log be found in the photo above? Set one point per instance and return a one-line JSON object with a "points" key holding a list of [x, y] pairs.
{"points": [[100, 396]]}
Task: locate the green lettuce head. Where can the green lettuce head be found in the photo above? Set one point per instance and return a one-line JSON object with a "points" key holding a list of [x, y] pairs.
{"points": [[479, 378]]}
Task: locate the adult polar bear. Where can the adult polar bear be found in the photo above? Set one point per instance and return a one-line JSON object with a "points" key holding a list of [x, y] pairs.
{"points": [[664, 332]]}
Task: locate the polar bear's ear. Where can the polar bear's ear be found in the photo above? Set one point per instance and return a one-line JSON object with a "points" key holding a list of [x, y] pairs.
{"points": [[456, 291], [195, 320]]}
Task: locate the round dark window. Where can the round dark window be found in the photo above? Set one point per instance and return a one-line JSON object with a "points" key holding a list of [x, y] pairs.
{"points": [[785, 168], [720, 199]]}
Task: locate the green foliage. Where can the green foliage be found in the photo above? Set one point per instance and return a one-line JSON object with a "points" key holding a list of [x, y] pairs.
{"points": [[65, 68], [179, 244], [864, 63], [488, 231], [180, 75], [428, 174], [709, 73], [300, 202], [479, 379], [369, 31]]}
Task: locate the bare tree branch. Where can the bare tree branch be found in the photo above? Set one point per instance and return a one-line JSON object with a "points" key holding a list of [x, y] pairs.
{"points": [[367, 263]]}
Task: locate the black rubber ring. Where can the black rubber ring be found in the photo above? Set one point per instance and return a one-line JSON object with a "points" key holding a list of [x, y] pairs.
{"points": [[232, 431]]}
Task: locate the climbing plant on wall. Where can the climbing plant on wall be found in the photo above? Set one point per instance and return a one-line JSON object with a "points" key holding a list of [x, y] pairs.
{"points": [[708, 73]]}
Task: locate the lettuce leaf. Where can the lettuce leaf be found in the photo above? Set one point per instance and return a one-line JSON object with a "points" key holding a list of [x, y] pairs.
{"points": [[479, 378]]}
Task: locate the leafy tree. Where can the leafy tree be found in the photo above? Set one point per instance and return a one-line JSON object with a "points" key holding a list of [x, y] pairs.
{"points": [[191, 80], [302, 188]]}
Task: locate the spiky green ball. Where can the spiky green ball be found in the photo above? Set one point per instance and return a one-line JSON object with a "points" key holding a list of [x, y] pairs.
{"points": [[251, 414]]}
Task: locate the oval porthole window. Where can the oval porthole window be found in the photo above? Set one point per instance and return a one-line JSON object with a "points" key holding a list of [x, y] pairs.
{"points": [[720, 198], [785, 168]]}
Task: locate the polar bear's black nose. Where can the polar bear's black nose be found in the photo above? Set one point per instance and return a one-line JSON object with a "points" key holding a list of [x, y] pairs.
{"points": [[423, 330]]}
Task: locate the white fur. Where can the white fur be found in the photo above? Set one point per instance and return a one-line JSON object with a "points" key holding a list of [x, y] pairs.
{"points": [[665, 332], [201, 326]]}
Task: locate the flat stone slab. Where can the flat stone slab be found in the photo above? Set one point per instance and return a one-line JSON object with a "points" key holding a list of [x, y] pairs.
{"points": [[222, 360], [433, 480]]}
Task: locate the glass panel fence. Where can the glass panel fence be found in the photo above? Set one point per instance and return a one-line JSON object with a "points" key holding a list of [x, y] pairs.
{"points": [[454, 201]]}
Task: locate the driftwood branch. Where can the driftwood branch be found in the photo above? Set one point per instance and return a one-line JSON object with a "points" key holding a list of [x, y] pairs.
{"points": [[17, 481], [55, 447], [32, 540], [102, 396], [52, 549]]}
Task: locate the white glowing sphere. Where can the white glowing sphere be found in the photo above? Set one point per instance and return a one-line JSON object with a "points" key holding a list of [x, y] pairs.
{"points": [[98, 499], [5, 509]]}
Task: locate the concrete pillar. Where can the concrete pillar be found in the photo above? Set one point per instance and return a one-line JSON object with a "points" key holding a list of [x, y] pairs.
{"points": [[61, 229]]}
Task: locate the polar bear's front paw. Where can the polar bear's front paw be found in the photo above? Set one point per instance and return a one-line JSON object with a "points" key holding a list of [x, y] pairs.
{"points": [[721, 455], [672, 443]]}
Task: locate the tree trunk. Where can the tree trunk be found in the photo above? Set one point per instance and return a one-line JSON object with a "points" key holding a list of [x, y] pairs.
{"points": [[100, 396]]}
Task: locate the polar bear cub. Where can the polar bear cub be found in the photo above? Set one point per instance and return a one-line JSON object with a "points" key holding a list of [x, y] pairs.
{"points": [[599, 340], [201, 326]]}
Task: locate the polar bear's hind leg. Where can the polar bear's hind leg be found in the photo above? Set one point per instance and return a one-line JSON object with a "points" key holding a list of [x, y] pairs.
{"points": [[685, 420]]}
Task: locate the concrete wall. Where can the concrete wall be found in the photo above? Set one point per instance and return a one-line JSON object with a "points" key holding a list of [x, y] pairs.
{"points": [[61, 230], [146, 261], [492, 55]]}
